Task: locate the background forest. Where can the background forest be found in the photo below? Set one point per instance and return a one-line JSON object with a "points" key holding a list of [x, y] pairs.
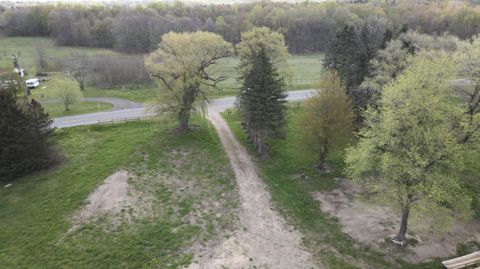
{"points": [[308, 27]]}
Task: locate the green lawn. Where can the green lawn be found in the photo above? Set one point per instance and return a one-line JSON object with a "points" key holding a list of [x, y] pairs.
{"points": [[322, 233], [36, 210], [139, 94], [58, 110], [25, 49], [304, 72], [304, 69]]}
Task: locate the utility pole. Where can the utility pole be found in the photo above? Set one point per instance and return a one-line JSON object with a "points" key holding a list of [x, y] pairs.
{"points": [[22, 83]]}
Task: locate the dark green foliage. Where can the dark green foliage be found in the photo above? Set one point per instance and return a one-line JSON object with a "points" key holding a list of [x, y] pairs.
{"points": [[262, 101], [25, 137], [352, 49], [341, 56]]}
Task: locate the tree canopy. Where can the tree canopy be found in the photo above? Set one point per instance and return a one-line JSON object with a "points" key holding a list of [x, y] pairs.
{"points": [[308, 26], [410, 149], [182, 64], [327, 122], [264, 38], [262, 101], [26, 137]]}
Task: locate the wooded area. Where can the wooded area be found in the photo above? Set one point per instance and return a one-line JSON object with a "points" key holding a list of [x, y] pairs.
{"points": [[308, 27]]}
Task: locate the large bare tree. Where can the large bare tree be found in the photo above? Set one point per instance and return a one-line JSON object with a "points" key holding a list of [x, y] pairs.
{"points": [[78, 66]]}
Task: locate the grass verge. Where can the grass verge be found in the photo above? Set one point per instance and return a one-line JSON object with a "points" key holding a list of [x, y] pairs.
{"points": [[36, 210], [58, 110]]}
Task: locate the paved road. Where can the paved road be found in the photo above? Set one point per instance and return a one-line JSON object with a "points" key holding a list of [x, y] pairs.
{"points": [[118, 104], [135, 112]]}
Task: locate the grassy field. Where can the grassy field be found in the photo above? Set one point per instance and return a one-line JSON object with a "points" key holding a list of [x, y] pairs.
{"points": [[304, 73], [58, 110], [36, 211], [25, 49], [292, 194], [304, 69]]}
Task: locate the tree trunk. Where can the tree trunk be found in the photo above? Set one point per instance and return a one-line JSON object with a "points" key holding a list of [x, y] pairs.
{"points": [[188, 98], [322, 156], [321, 161], [82, 85], [183, 120], [402, 234]]}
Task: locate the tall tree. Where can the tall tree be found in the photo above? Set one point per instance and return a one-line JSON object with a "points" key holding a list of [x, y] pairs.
{"points": [[67, 95], [410, 150], [41, 58], [353, 47], [78, 66], [14, 126], [262, 101], [263, 38], [327, 121], [42, 153], [183, 65], [25, 139]]}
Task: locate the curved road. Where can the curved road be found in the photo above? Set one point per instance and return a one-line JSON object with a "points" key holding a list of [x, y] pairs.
{"points": [[124, 109], [118, 104]]}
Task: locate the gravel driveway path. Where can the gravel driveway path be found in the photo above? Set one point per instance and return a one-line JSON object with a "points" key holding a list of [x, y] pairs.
{"points": [[264, 240]]}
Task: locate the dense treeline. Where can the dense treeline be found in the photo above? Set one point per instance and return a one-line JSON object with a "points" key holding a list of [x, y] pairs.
{"points": [[308, 27]]}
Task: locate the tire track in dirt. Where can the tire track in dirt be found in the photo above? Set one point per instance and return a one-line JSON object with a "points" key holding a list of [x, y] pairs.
{"points": [[264, 240]]}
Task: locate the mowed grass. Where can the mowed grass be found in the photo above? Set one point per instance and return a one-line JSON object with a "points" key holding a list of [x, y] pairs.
{"points": [[25, 50], [36, 210], [292, 194], [304, 69], [58, 110], [304, 73]]}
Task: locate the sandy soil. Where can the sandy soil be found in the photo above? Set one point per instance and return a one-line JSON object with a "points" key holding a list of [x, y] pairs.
{"points": [[264, 240], [373, 224], [109, 199]]}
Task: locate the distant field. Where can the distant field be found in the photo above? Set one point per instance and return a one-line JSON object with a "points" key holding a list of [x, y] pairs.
{"points": [[24, 48], [304, 72], [304, 69], [184, 183]]}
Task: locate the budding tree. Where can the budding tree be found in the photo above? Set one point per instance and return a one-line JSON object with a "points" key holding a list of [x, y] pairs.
{"points": [[410, 151], [327, 120], [182, 64]]}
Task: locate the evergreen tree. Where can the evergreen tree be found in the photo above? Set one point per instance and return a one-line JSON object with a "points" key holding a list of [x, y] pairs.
{"points": [[352, 48], [25, 137], [262, 101], [14, 126], [40, 137]]}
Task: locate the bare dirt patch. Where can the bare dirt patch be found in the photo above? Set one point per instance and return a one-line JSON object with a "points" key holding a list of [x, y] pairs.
{"points": [[264, 239], [373, 225], [113, 199]]}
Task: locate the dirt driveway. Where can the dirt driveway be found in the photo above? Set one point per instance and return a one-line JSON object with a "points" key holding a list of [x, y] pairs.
{"points": [[264, 239]]}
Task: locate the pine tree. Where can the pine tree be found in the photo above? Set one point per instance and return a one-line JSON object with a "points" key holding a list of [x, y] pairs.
{"points": [[262, 101], [25, 137], [13, 126], [40, 137]]}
